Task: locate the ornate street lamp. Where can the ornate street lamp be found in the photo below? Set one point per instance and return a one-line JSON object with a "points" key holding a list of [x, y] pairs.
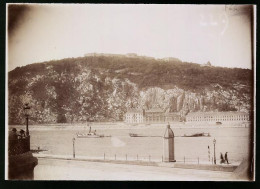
{"points": [[26, 113], [214, 142]]}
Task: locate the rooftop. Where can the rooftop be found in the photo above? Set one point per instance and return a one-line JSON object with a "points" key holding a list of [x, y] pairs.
{"points": [[216, 113], [132, 110], [155, 110]]}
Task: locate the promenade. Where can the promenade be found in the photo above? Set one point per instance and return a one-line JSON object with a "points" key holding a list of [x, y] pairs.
{"points": [[62, 168]]}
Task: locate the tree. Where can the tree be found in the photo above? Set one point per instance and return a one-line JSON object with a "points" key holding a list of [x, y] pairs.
{"points": [[61, 118]]}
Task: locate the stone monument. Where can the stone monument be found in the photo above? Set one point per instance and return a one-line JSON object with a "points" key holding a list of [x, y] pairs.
{"points": [[168, 145]]}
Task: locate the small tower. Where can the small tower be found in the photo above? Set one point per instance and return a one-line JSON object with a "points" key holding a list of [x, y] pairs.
{"points": [[168, 145]]}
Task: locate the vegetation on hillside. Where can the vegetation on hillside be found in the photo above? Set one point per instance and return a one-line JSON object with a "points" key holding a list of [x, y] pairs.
{"points": [[78, 89]]}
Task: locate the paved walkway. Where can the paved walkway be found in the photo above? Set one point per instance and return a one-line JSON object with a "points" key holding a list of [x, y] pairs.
{"points": [[201, 165], [99, 158], [62, 169]]}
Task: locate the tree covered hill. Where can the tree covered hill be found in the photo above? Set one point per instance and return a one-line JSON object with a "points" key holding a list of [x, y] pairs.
{"points": [[103, 87]]}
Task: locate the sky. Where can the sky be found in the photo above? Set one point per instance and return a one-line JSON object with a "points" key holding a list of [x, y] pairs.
{"points": [[220, 34]]}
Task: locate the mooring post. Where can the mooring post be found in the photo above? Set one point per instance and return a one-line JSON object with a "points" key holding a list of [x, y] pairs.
{"points": [[104, 156]]}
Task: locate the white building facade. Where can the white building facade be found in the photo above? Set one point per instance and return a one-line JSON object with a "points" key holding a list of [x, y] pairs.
{"points": [[134, 116], [217, 117]]}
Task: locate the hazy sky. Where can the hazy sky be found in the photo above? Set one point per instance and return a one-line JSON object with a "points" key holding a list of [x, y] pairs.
{"points": [[194, 33]]}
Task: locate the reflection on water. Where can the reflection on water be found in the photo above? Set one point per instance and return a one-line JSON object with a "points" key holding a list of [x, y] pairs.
{"points": [[116, 142]]}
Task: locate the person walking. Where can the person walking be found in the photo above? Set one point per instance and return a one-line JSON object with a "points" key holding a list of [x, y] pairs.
{"points": [[226, 158], [222, 158]]}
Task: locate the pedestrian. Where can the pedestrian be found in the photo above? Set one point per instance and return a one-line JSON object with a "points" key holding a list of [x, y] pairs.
{"points": [[12, 134], [221, 158], [22, 134], [12, 143], [226, 158]]}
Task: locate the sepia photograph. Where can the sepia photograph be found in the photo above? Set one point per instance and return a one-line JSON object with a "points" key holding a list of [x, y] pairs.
{"points": [[130, 92]]}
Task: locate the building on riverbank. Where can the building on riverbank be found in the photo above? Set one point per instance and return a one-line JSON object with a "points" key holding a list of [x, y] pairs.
{"points": [[154, 115], [157, 115], [134, 116], [172, 116], [214, 117]]}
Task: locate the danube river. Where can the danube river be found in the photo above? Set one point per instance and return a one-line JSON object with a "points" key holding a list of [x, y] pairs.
{"points": [[57, 140]]}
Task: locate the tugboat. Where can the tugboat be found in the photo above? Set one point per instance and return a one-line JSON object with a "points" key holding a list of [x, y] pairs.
{"points": [[90, 134]]}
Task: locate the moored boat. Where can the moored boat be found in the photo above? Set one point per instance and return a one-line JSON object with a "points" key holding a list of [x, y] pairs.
{"points": [[197, 135], [133, 135]]}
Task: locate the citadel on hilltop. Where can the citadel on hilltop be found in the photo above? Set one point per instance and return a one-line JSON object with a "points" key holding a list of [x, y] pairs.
{"points": [[128, 55], [131, 55]]}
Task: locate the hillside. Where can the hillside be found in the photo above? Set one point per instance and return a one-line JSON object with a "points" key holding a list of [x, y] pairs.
{"points": [[103, 87]]}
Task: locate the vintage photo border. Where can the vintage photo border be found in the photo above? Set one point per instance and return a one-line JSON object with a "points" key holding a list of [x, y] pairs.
{"points": [[125, 184]]}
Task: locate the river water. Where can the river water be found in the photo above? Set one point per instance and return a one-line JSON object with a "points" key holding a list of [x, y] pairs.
{"points": [[57, 140], [120, 145]]}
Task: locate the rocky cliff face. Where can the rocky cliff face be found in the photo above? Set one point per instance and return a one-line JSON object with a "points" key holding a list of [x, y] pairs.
{"points": [[76, 92], [179, 100]]}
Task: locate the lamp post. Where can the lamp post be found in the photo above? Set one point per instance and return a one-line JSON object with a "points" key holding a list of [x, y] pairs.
{"points": [[73, 141], [26, 113], [214, 142]]}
